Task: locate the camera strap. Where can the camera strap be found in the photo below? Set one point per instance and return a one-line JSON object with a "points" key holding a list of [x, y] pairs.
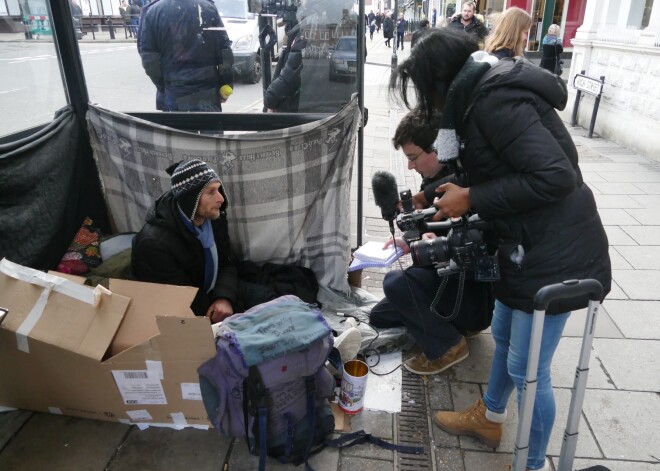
{"points": [[459, 297]]}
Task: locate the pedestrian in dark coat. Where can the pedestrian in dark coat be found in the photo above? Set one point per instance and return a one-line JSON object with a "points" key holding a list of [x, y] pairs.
{"points": [[521, 176], [186, 53], [388, 29], [283, 94], [401, 26], [468, 22], [552, 49]]}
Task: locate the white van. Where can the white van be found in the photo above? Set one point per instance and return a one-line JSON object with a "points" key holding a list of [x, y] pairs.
{"points": [[243, 29]]}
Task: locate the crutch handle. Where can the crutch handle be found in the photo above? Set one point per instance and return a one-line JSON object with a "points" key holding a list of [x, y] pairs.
{"points": [[567, 289]]}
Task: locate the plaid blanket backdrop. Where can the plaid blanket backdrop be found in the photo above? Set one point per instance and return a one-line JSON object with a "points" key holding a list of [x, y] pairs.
{"points": [[288, 190]]}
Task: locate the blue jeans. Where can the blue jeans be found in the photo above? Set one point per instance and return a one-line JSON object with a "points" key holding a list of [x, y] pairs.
{"points": [[511, 330]]}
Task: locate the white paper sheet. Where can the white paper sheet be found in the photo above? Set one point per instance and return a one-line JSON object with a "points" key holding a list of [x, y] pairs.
{"points": [[384, 392]]}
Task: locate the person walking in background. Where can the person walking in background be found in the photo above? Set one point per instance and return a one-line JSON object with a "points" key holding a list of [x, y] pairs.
{"points": [[423, 28], [379, 21], [372, 28], [124, 12], [522, 177], [552, 50], [401, 26], [388, 29], [433, 18], [135, 10], [468, 22], [283, 93], [509, 36]]}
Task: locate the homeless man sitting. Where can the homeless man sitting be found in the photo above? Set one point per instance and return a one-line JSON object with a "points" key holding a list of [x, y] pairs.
{"points": [[185, 242], [409, 294]]}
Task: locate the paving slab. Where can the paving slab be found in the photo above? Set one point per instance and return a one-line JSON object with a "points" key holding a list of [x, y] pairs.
{"points": [[615, 188], [617, 217], [617, 260], [613, 465], [60, 443], [648, 188], [645, 257], [631, 364], [476, 368], [643, 235], [630, 177], [616, 292], [625, 423], [637, 284], [617, 236], [605, 326], [10, 423], [448, 459], [646, 217], [636, 319], [481, 461], [164, 448], [647, 201], [377, 423], [566, 360], [617, 201], [241, 460], [365, 464]]}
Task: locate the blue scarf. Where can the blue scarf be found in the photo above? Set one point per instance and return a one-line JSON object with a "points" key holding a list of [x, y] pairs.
{"points": [[204, 234]]}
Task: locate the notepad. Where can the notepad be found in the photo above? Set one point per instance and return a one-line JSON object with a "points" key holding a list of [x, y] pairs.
{"points": [[372, 255]]}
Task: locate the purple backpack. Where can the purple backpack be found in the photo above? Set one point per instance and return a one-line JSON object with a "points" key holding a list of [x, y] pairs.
{"points": [[268, 380]]}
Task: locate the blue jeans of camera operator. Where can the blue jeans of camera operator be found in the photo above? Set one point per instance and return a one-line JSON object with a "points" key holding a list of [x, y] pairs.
{"points": [[407, 302]]}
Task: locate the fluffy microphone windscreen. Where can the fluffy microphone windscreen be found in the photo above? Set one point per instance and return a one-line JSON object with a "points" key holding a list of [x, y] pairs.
{"points": [[386, 196]]}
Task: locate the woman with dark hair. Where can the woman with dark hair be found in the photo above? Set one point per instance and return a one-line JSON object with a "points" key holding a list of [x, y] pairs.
{"points": [[521, 175]]}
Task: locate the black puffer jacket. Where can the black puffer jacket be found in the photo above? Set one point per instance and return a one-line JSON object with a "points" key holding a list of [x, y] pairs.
{"points": [[165, 251], [283, 94], [523, 174]]}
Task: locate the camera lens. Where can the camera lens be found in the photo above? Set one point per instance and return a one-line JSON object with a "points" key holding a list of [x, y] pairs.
{"points": [[427, 252]]}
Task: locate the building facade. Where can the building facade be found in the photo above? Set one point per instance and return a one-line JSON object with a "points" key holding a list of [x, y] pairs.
{"points": [[620, 40]]}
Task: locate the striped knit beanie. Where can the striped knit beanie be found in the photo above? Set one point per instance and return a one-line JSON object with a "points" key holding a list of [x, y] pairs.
{"points": [[189, 179]]}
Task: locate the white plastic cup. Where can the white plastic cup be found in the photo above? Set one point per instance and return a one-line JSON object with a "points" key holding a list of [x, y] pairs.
{"points": [[353, 386]]}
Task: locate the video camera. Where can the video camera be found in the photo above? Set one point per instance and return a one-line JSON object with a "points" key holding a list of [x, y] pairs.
{"points": [[459, 245]]}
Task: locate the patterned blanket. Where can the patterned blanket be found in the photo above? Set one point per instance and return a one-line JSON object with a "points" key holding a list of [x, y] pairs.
{"points": [[288, 189]]}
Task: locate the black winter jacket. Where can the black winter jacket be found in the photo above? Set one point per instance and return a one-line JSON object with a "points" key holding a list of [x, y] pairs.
{"points": [[475, 27], [522, 170], [165, 251], [283, 94]]}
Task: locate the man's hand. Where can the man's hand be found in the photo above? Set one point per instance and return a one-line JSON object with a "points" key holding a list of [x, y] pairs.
{"points": [[399, 243], [219, 310], [454, 203], [419, 201]]}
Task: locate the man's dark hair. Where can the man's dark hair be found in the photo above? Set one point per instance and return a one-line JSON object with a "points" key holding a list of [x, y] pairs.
{"points": [[431, 78], [424, 23], [416, 129]]}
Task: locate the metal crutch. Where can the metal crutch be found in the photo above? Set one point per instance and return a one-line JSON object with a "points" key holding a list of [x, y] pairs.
{"points": [[566, 289]]}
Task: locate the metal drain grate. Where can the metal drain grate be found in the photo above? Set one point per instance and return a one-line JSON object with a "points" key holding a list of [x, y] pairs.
{"points": [[413, 426]]}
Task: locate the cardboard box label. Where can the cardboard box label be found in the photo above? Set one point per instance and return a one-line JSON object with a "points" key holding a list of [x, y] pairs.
{"points": [[141, 414], [191, 391], [139, 386]]}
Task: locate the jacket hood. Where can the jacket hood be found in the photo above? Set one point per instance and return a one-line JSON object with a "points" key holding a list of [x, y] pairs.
{"points": [[522, 74]]}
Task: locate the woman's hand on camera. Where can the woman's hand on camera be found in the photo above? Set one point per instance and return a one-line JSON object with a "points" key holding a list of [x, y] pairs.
{"points": [[399, 243], [429, 236], [454, 203]]}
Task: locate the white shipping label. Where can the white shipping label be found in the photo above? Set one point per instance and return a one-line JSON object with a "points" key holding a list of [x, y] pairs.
{"points": [[139, 387], [191, 391], [136, 415]]}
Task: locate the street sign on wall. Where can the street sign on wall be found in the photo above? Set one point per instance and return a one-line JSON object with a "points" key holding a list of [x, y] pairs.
{"points": [[588, 85]]}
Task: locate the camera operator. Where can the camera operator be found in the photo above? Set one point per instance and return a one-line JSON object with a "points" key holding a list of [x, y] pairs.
{"points": [[409, 294], [499, 120]]}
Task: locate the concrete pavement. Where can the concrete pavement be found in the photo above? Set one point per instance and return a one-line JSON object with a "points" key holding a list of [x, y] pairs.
{"points": [[621, 413]]}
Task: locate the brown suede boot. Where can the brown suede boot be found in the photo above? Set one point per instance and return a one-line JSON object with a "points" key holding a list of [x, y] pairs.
{"points": [[472, 421]]}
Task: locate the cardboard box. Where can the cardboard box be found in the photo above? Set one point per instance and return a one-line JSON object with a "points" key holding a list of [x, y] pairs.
{"points": [[129, 354]]}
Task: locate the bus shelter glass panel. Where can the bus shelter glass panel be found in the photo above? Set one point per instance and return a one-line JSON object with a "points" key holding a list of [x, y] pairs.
{"points": [[322, 83], [31, 86]]}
